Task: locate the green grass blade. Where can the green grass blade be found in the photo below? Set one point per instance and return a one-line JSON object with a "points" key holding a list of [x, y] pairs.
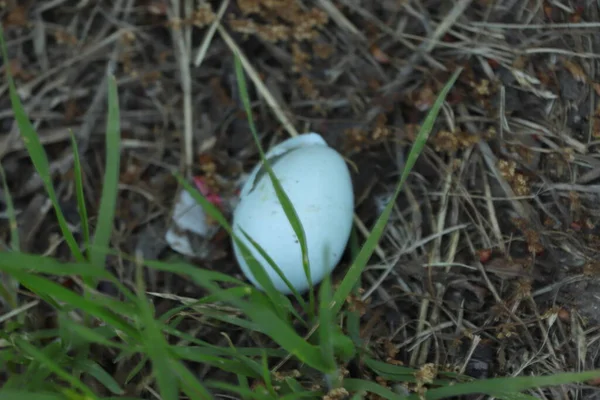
{"points": [[190, 384], [299, 395], [97, 372], [136, 369], [285, 201], [239, 292], [195, 272], [41, 285], [280, 302], [110, 188], [81, 208], [8, 285], [266, 375], [155, 345], [360, 385], [366, 251], [37, 154], [241, 391], [83, 222], [99, 335], [47, 265], [514, 396], [51, 365], [276, 268], [251, 364], [294, 385], [353, 316], [508, 385], [15, 244], [199, 355], [10, 394], [244, 386], [388, 370], [16, 263], [326, 320], [397, 373], [260, 310], [36, 263], [283, 334]]}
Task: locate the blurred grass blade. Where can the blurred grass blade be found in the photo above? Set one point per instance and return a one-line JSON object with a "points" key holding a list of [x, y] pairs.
{"points": [[83, 217], [326, 320], [97, 335], [241, 391], [244, 386], [46, 265], [50, 364], [37, 154], [388, 369], [191, 270], [155, 345], [283, 334], [97, 372], [514, 396], [133, 372], [285, 201], [19, 262], [42, 285], [190, 384], [358, 385], [200, 355], [367, 249], [353, 315], [266, 375], [110, 188], [266, 321], [10, 211], [499, 386], [8, 285], [11, 394]]}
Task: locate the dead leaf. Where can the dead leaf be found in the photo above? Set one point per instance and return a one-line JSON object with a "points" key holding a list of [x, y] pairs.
{"points": [[18, 72], [158, 8], [505, 268], [485, 255], [576, 70], [72, 111], [16, 17], [425, 98], [379, 55]]}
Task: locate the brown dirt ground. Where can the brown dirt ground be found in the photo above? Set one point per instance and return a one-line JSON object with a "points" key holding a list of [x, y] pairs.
{"points": [[490, 263]]}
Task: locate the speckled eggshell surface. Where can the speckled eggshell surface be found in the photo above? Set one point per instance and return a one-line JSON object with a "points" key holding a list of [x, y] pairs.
{"points": [[317, 180]]}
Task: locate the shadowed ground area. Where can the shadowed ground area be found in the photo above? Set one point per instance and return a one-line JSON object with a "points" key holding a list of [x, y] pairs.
{"points": [[489, 265]]}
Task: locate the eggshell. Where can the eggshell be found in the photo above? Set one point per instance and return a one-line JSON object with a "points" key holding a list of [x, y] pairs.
{"points": [[317, 180]]}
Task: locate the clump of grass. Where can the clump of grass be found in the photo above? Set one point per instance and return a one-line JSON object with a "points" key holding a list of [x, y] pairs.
{"points": [[59, 364]]}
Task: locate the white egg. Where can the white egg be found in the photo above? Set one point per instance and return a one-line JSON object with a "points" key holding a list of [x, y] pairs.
{"points": [[317, 181]]}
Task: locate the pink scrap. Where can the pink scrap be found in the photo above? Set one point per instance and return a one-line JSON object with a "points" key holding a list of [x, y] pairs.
{"points": [[211, 196]]}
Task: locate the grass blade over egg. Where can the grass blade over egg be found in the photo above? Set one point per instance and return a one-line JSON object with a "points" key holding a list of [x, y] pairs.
{"points": [[277, 270], [280, 303], [286, 204]]}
